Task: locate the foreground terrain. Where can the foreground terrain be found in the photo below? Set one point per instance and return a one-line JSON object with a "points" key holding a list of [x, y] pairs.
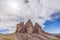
{"points": [[36, 37], [8, 37], [21, 36]]}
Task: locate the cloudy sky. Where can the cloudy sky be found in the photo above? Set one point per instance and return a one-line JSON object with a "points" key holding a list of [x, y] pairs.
{"points": [[45, 12]]}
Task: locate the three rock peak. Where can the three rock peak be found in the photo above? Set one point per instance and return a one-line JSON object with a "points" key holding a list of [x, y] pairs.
{"points": [[29, 28]]}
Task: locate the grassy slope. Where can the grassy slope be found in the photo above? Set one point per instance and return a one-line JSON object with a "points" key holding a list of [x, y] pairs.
{"points": [[8, 37]]}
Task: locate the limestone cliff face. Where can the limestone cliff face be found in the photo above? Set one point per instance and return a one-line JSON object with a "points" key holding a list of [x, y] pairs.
{"points": [[38, 29], [20, 27], [29, 28]]}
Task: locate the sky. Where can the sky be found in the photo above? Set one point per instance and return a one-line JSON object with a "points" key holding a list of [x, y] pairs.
{"points": [[44, 12], [54, 25]]}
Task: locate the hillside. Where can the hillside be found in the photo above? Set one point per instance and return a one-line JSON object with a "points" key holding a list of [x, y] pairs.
{"points": [[8, 37]]}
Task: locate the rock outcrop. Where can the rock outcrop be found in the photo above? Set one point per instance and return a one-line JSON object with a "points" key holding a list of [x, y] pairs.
{"points": [[38, 29], [20, 27], [29, 27]]}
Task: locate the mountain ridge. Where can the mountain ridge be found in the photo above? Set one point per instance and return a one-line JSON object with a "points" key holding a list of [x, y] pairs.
{"points": [[29, 28]]}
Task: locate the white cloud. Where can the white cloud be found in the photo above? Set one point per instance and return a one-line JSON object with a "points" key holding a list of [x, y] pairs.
{"points": [[53, 4], [10, 16]]}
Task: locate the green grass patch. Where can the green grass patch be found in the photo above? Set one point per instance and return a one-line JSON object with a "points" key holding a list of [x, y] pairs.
{"points": [[6, 39]]}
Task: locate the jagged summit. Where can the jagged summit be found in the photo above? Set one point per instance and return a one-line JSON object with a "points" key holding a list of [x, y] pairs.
{"points": [[28, 23], [29, 28], [38, 29], [37, 25], [20, 27]]}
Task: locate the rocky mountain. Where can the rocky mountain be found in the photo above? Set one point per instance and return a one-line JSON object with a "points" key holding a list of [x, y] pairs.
{"points": [[29, 32], [29, 27], [38, 29], [20, 27]]}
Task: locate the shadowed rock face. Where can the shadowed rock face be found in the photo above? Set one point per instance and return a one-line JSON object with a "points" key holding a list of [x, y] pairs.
{"points": [[38, 29], [20, 27]]}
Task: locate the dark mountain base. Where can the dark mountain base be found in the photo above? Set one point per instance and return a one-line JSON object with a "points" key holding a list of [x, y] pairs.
{"points": [[35, 36]]}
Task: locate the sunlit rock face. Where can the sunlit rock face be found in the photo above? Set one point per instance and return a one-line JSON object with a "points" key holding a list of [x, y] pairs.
{"points": [[25, 28], [20, 27], [29, 27]]}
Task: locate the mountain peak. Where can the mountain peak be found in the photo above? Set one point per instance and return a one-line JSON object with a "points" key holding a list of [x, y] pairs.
{"points": [[20, 27], [29, 22], [37, 25], [29, 28], [38, 29]]}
